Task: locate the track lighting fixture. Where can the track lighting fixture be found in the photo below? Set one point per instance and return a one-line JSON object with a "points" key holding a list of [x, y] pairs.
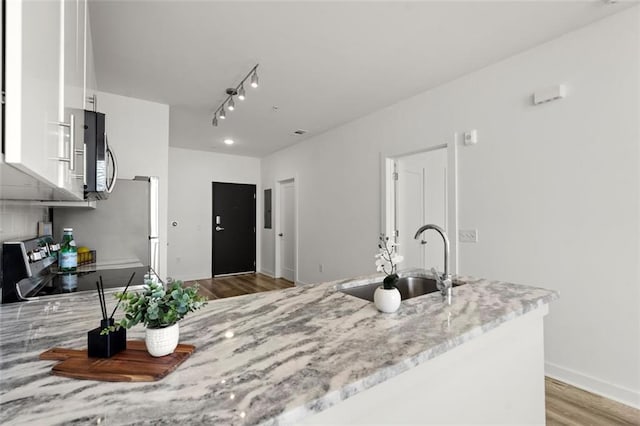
{"points": [[231, 92]]}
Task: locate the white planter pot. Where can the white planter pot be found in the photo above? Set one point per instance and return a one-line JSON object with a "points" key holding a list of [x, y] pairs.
{"points": [[386, 300], [162, 341]]}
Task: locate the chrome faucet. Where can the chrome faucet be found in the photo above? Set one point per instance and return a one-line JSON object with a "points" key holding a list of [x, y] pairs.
{"points": [[443, 282]]}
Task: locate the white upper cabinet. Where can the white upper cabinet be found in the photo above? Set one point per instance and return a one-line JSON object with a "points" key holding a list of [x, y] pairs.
{"points": [[74, 53], [71, 174], [91, 85], [33, 82], [47, 72]]}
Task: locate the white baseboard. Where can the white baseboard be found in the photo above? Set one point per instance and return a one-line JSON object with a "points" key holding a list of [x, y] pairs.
{"points": [[270, 274], [617, 393], [194, 277]]}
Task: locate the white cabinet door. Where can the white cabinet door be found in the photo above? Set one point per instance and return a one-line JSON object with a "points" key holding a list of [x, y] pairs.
{"points": [[45, 92], [2, 80], [74, 53], [91, 85], [71, 175], [33, 54]]}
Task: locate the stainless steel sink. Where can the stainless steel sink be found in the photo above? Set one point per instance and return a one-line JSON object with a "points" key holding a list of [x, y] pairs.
{"points": [[409, 287]]}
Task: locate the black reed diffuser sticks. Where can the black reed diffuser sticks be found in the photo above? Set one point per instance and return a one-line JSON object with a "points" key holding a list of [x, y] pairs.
{"points": [[106, 345], [123, 293], [103, 302]]}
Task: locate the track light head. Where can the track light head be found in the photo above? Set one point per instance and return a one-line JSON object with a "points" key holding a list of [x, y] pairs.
{"points": [[229, 102]]}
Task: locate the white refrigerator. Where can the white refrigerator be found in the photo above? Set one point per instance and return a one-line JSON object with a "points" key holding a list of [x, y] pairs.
{"points": [[123, 229]]}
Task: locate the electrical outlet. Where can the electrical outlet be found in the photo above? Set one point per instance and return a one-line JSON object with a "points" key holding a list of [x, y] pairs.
{"points": [[468, 236], [320, 267]]}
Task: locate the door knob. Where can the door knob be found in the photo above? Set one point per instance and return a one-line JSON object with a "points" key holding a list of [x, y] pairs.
{"points": [[219, 228], [280, 234]]}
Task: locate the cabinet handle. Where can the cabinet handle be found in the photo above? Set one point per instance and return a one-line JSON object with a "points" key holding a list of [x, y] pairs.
{"points": [[72, 142], [112, 184], [93, 99], [82, 152], [84, 164]]}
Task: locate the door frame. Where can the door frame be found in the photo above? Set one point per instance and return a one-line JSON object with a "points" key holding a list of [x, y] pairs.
{"points": [[277, 226], [388, 187], [213, 225]]}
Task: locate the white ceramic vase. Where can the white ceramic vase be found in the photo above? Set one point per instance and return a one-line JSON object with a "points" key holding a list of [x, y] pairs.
{"points": [[162, 341], [387, 301]]}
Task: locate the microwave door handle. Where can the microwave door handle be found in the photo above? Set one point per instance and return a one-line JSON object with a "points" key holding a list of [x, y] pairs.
{"points": [[112, 184]]}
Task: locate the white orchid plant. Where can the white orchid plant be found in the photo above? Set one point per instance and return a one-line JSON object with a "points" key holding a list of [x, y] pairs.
{"points": [[387, 261]]}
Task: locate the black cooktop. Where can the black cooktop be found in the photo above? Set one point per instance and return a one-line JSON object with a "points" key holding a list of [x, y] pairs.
{"points": [[61, 283]]}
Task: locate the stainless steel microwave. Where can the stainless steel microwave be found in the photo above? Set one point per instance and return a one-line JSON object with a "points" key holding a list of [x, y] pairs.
{"points": [[101, 167]]}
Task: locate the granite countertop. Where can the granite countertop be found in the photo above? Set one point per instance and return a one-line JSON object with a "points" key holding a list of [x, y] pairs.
{"points": [[268, 358]]}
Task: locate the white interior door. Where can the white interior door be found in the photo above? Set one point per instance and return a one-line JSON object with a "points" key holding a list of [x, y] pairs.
{"points": [[409, 212], [422, 199], [287, 232]]}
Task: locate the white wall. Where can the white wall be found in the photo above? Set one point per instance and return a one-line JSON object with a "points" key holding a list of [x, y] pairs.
{"points": [[191, 173], [554, 191], [138, 131], [19, 221]]}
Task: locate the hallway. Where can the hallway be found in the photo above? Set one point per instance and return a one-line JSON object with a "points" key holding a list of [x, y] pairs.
{"points": [[237, 285]]}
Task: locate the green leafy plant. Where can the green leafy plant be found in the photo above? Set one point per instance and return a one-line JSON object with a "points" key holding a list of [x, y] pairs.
{"points": [[157, 308]]}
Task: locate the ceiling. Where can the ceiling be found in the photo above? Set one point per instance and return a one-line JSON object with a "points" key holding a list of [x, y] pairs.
{"points": [[322, 64]]}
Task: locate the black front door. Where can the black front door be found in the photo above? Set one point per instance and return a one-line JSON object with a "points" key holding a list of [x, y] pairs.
{"points": [[234, 228]]}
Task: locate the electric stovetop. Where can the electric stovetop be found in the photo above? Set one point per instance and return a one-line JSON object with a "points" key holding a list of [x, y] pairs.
{"points": [[61, 283]]}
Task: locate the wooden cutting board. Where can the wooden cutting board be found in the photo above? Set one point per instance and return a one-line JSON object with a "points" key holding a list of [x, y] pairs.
{"points": [[134, 364]]}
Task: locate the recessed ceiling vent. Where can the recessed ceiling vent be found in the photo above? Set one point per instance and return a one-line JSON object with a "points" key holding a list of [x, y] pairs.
{"points": [[300, 132]]}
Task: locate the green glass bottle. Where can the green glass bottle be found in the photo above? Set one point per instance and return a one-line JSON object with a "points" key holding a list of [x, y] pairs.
{"points": [[68, 257]]}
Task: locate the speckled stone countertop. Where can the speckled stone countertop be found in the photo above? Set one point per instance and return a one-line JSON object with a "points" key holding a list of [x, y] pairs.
{"points": [[269, 358]]}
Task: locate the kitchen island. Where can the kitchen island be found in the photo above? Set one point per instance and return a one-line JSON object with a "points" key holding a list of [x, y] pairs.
{"points": [[300, 355]]}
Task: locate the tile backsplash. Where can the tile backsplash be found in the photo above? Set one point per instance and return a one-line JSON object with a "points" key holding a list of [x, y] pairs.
{"points": [[19, 221]]}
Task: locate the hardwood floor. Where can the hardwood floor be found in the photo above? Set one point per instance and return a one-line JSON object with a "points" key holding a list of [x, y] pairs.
{"points": [[568, 405], [237, 285]]}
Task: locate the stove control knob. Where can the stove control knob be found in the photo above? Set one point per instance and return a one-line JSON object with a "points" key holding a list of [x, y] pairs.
{"points": [[34, 256]]}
